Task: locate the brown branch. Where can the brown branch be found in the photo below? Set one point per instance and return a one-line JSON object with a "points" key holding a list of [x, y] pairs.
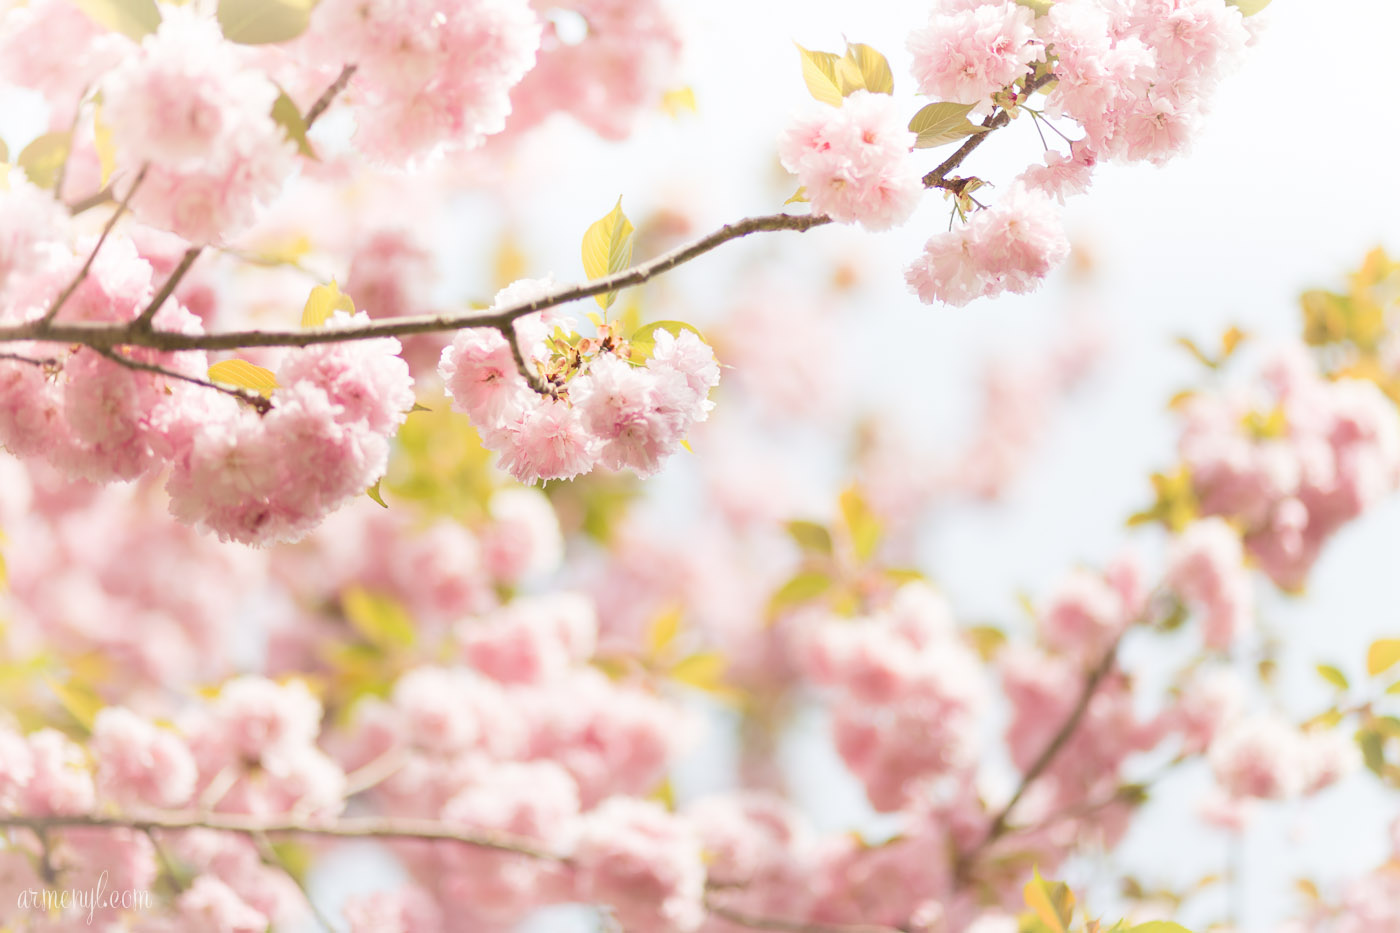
{"points": [[110, 335], [994, 121], [72, 286], [1046, 757], [329, 95], [347, 828], [147, 315], [262, 404]]}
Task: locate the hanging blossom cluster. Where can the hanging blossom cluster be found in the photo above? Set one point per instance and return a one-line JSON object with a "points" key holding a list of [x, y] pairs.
{"points": [[1134, 75], [604, 409]]}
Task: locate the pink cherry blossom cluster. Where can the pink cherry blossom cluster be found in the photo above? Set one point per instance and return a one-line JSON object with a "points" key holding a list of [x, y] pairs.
{"points": [[853, 161], [1206, 569], [430, 75], [1265, 757], [195, 112], [613, 414], [250, 750], [248, 476], [1136, 75], [1291, 461], [907, 700], [608, 77]]}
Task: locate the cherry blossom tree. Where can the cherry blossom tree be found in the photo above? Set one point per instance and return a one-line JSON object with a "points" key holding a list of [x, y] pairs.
{"points": [[306, 552]]}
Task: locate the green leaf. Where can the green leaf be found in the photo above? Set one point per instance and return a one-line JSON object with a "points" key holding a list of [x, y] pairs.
{"points": [[102, 142], [258, 22], [1372, 746], [80, 700], [324, 301], [798, 197], [374, 493], [874, 68], [380, 619], [804, 587], [245, 375], [1334, 677], [43, 159], [1382, 655], [1051, 901], [663, 632], [1249, 7], [819, 72], [986, 640], [861, 524], [133, 18], [704, 671], [607, 249], [810, 536], [643, 339], [286, 115], [937, 124]]}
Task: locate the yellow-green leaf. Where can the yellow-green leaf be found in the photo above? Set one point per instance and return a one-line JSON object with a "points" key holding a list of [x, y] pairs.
{"points": [[987, 640], [678, 101], [132, 18], [324, 301], [374, 493], [244, 375], [643, 339], [810, 536], [1333, 676], [798, 197], [102, 142], [607, 249], [4, 151], [43, 159], [663, 631], [704, 671], [874, 68], [286, 115], [1158, 926], [1249, 7], [258, 22], [1051, 901], [380, 619], [1382, 655], [806, 585], [937, 124], [861, 524], [819, 73], [80, 700], [1041, 7]]}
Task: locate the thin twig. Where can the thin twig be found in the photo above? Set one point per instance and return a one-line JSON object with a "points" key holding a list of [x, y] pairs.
{"points": [[147, 315], [1046, 757], [263, 405], [329, 94], [270, 857], [995, 121], [346, 828], [72, 286], [176, 881]]}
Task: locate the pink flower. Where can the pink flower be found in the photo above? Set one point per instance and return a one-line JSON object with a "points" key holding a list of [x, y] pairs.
{"points": [[1206, 568], [644, 863], [968, 51], [407, 910], [638, 415], [854, 162], [257, 716], [523, 538], [1261, 756], [210, 906], [1009, 247], [548, 441], [61, 782], [139, 763]]}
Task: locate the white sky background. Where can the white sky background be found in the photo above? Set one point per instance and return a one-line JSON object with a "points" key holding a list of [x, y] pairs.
{"points": [[1292, 181]]}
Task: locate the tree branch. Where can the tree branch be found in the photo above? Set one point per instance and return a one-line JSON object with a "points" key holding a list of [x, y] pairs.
{"points": [[329, 94], [259, 402], [112, 335], [72, 286], [995, 121], [1047, 756]]}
